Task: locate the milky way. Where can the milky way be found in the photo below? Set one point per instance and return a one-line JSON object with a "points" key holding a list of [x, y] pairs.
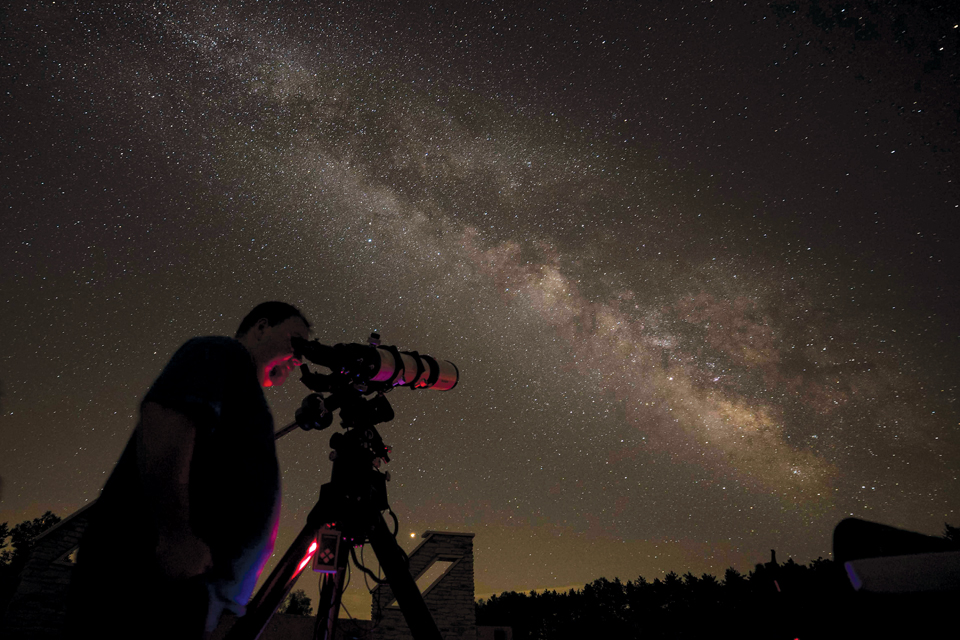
{"points": [[696, 265]]}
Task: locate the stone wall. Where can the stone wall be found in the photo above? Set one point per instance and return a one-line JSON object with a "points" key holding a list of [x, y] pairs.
{"points": [[37, 609], [450, 599]]}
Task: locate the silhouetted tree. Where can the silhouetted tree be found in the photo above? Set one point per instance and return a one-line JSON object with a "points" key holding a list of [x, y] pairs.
{"points": [[15, 553], [952, 534], [687, 607], [297, 603]]}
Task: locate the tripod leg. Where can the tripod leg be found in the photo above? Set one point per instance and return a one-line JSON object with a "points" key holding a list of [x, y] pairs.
{"points": [[404, 587], [276, 588], [330, 595]]}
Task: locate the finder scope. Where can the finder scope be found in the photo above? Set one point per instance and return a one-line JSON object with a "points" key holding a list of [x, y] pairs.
{"points": [[380, 366]]}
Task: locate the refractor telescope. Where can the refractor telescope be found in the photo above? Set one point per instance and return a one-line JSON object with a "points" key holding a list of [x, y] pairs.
{"points": [[360, 375], [379, 368], [350, 508]]}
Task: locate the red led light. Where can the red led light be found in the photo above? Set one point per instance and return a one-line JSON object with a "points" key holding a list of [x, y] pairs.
{"points": [[306, 558]]}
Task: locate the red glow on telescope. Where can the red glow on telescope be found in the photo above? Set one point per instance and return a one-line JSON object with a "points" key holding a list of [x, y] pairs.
{"points": [[306, 558]]}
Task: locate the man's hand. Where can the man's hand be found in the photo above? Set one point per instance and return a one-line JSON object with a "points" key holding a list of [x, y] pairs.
{"points": [[182, 555]]}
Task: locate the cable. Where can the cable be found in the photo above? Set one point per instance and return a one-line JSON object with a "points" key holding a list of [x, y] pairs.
{"points": [[378, 617], [353, 554], [396, 532], [396, 523], [356, 626], [346, 583]]}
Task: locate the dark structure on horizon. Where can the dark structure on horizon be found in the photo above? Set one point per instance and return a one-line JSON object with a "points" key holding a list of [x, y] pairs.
{"points": [[38, 606], [36, 611], [450, 596], [904, 577]]}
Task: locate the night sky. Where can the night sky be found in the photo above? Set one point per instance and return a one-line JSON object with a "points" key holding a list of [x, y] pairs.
{"points": [[697, 264]]}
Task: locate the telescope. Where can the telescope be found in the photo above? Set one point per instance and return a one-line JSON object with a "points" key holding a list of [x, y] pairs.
{"points": [[377, 367], [349, 511], [358, 370]]}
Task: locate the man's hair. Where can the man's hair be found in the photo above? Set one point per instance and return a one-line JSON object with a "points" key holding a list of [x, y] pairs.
{"points": [[273, 312]]}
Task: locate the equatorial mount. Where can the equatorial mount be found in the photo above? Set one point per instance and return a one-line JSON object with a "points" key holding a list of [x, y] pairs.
{"points": [[349, 510]]}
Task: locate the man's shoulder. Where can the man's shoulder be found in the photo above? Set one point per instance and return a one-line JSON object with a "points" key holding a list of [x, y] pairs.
{"points": [[213, 348], [205, 374], [210, 356]]}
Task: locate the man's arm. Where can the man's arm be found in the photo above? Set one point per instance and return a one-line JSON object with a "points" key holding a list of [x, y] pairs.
{"points": [[165, 445]]}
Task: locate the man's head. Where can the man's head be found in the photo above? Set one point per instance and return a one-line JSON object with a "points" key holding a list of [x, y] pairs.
{"points": [[266, 333]]}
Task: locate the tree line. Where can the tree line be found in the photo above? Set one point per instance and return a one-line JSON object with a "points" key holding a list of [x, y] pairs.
{"points": [[776, 600], [673, 607]]}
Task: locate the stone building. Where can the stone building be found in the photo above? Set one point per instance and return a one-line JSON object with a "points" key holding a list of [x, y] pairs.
{"points": [[37, 609], [443, 566]]}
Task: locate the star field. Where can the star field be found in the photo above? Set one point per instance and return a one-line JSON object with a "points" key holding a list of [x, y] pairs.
{"points": [[696, 264]]}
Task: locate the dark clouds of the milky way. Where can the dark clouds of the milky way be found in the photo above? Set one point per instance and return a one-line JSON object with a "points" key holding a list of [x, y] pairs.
{"points": [[697, 262]]}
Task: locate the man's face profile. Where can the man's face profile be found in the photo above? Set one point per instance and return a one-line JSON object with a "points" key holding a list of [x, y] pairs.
{"points": [[272, 351]]}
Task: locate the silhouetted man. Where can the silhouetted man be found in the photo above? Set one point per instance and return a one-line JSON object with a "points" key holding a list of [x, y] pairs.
{"points": [[189, 515]]}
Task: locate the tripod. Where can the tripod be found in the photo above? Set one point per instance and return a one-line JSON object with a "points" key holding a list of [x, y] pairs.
{"points": [[347, 513]]}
